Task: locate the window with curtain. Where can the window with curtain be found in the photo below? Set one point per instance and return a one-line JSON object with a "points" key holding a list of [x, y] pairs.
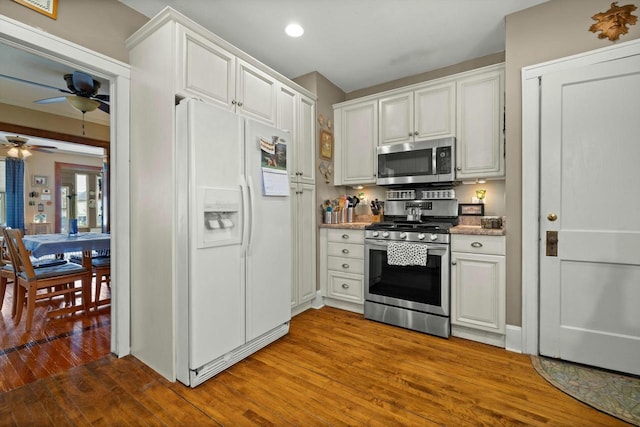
{"points": [[14, 190]]}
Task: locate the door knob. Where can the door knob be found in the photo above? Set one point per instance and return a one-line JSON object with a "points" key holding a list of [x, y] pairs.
{"points": [[552, 217]]}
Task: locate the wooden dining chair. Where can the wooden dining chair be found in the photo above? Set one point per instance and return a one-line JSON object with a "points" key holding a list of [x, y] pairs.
{"points": [[7, 274], [45, 282], [101, 268]]}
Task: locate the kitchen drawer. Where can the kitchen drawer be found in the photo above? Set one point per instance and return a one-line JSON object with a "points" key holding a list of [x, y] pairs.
{"points": [[345, 265], [345, 250], [346, 236], [348, 287], [478, 244]]}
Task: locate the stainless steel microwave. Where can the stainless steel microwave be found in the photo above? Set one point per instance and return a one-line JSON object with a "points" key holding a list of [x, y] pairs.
{"points": [[417, 162]]}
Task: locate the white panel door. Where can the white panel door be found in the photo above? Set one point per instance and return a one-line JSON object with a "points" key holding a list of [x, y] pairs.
{"points": [[590, 291]]}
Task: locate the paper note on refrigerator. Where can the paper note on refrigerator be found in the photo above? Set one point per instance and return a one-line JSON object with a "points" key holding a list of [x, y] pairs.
{"points": [[275, 182], [275, 179]]}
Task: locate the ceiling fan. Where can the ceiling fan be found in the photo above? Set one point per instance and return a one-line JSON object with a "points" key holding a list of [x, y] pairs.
{"points": [[83, 90], [17, 147]]}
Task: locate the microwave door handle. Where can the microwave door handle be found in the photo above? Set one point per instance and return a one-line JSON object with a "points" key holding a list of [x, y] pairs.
{"points": [[434, 161]]}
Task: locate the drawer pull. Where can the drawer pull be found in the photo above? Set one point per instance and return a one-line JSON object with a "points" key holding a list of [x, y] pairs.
{"points": [[345, 251], [345, 236], [454, 262], [345, 286], [345, 265], [476, 244]]}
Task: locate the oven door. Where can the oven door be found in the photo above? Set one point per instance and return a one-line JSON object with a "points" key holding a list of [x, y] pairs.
{"points": [[420, 288]]}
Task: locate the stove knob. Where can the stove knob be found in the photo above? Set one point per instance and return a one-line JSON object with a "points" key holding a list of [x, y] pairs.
{"points": [[433, 237], [385, 234], [403, 235], [375, 234], [421, 236]]}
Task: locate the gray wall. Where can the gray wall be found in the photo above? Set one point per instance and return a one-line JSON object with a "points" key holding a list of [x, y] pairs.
{"points": [[548, 31]]}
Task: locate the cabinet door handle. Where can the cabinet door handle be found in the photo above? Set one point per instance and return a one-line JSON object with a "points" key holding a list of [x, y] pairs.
{"points": [[345, 265], [239, 104], [415, 133], [345, 286], [345, 236], [454, 262], [345, 251], [233, 102], [458, 168], [476, 244]]}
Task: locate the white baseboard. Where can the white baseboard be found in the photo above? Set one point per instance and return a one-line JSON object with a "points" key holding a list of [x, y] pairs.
{"points": [[318, 302], [514, 339]]}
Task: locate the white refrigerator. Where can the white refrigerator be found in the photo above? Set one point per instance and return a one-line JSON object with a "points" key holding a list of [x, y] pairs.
{"points": [[233, 237]]}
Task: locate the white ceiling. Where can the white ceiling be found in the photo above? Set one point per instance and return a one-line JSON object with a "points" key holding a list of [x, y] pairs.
{"points": [[354, 43]]}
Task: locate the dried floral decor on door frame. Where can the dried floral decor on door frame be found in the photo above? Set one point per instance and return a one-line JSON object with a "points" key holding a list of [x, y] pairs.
{"points": [[614, 21]]}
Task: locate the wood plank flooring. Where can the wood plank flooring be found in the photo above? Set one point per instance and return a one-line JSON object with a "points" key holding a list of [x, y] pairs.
{"points": [[334, 368], [53, 345]]}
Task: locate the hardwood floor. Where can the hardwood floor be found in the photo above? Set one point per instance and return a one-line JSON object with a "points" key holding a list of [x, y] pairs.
{"points": [[334, 368], [52, 346]]}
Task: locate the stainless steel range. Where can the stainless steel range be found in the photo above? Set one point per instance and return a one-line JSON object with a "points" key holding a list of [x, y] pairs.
{"points": [[407, 268]]}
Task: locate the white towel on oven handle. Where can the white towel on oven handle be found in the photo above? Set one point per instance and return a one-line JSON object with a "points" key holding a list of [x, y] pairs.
{"points": [[403, 253]]}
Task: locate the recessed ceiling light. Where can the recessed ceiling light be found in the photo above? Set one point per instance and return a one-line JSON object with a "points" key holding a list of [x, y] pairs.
{"points": [[294, 30]]}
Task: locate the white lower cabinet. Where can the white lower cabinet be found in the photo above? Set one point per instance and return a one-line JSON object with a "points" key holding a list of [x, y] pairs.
{"points": [[342, 268], [478, 288], [303, 214]]}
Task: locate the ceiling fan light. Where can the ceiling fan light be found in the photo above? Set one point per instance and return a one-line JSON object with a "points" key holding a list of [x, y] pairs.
{"points": [[82, 104], [25, 153], [13, 152]]}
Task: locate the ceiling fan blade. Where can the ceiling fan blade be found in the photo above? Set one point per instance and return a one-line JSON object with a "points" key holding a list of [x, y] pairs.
{"points": [[51, 100], [38, 146], [33, 83], [104, 98], [104, 107]]}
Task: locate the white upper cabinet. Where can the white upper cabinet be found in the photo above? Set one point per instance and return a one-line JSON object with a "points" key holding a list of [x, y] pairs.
{"points": [[205, 70], [306, 157], [255, 93], [355, 151], [426, 113], [480, 137], [296, 114]]}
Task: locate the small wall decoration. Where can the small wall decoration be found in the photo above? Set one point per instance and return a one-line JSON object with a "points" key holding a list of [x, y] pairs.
{"points": [[326, 169], [45, 7], [614, 21], [39, 181], [326, 145]]}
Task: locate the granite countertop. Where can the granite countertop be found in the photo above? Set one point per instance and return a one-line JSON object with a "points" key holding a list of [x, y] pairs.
{"points": [[477, 230], [347, 225], [470, 224]]}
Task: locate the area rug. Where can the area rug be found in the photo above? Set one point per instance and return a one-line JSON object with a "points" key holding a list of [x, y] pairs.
{"points": [[615, 394]]}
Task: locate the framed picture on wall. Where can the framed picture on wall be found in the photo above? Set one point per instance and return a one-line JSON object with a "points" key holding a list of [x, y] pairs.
{"points": [[326, 145], [39, 181], [45, 7]]}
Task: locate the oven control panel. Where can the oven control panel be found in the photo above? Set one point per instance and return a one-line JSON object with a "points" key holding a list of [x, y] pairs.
{"points": [[407, 236]]}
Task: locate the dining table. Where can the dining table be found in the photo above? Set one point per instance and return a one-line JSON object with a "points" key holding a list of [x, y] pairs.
{"points": [[50, 244], [63, 243]]}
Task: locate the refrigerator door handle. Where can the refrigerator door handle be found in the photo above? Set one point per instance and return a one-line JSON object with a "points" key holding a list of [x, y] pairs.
{"points": [[244, 191], [251, 212]]}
